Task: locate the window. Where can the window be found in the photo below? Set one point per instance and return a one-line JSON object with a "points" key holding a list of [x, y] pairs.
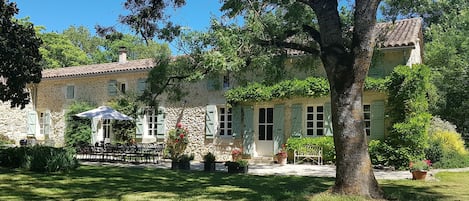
{"points": [[226, 81], [122, 87], [70, 92], [44, 123], [266, 123], [107, 127], [367, 118], [224, 119], [315, 120], [152, 117]]}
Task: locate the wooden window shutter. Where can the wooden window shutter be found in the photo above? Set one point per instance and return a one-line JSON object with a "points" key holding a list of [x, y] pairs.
{"points": [[70, 92], [377, 120], [248, 133], [141, 85], [112, 88], [32, 120], [139, 125], [236, 119], [47, 123], [328, 119], [213, 83], [296, 120], [160, 123], [210, 121], [279, 121]]}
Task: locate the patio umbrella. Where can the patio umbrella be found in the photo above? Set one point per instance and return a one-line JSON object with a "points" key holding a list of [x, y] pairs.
{"points": [[104, 112], [99, 114]]}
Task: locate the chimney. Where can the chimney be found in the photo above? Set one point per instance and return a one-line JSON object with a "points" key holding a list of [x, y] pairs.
{"points": [[122, 55]]}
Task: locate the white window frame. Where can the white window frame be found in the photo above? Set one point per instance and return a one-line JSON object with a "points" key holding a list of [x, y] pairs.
{"points": [[107, 128], [225, 121], [316, 124], [151, 121], [367, 118], [266, 124], [44, 124]]}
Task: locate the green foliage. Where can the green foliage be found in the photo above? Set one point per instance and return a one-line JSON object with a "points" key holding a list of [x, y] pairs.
{"points": [[77, 130], [209, 157], [447, 54], [39, 158], [176, 142], [447, 148], [326, 142], [409, 92], [309, 87], [128, 104], [59, 51], [19, 57]]}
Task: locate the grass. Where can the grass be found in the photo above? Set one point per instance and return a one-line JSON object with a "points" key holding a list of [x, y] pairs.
{"points": [[114, 183]]}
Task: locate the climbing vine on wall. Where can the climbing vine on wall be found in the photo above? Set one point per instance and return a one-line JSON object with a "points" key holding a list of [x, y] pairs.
{"points": [[309, 87]]}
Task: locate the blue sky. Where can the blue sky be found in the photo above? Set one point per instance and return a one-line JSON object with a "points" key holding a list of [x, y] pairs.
{"points": [[57, 15]]}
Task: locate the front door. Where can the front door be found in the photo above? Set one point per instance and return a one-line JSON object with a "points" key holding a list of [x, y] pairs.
{"points": [[265, 132]]}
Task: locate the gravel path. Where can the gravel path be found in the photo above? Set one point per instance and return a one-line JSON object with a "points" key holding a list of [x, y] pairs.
{"points": [[289, 169]]}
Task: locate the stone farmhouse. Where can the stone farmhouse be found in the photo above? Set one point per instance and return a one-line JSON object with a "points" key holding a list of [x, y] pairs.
{"points": [[259, 128]]}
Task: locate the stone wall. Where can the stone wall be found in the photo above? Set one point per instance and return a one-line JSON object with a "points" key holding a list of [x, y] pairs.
{"points": [[13, 121]]}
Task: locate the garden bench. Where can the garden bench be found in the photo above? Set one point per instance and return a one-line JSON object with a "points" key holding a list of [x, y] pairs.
{"points": [[308, 152]]}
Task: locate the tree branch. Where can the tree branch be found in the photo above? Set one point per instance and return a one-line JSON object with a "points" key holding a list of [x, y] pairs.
{"points": [[289, 45]]}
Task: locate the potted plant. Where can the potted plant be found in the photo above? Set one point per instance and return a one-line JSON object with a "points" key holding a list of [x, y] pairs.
{"points": [[282, 156], [419, 169], [209, 162], [236, 154], [184, 161], [176, 144], [239, 166]]}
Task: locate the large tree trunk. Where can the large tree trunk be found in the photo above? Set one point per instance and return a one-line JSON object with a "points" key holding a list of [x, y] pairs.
{"points": [[346, 71]]}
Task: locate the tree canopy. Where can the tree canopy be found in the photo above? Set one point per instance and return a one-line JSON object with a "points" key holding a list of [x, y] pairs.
{"points": [[19, 57]]}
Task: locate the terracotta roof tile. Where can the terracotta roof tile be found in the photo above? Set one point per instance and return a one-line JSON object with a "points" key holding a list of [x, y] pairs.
{"points": [[400, 33], [99, 69]]}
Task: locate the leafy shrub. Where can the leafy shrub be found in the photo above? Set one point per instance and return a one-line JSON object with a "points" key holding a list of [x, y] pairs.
{"points": [[77, 130], [15, 157], [39, 158], [326, 142], [381, 153]]}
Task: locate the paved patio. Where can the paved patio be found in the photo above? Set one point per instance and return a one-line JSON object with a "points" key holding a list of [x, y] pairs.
{"points": [[275, 169]]}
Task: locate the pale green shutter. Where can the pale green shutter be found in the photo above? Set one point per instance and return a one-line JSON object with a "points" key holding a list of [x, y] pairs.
{"points": [[94, 130], [112, 88], [279, 120], [32, 119], [377, 120], [236, 119], [139, 125], [47, 123], [70, 92], [213, 83], [160, 126], [296, 120], [248, 136], [327, 119], [141, 85], [210, 119]]}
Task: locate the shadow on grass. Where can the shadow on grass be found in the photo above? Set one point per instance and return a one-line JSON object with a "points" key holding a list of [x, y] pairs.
{"points": [[93, 182]]}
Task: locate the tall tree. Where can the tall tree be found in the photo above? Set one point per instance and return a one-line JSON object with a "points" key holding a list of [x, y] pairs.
{"points": [[59, 51], [19, 56], [313, 27]]}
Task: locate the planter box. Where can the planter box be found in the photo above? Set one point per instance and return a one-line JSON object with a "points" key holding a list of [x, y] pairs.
{"points": [[209, 167], [419, 175]]}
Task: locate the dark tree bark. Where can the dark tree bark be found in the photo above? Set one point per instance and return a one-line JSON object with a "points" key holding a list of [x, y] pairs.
{"points": [[346, 72]]}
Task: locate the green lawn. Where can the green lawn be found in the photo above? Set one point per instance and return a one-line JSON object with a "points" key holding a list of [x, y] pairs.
{"points": [[114, 183]]}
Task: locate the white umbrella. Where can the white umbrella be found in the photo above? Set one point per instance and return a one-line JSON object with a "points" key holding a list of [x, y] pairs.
{"points": [[104, 112]]}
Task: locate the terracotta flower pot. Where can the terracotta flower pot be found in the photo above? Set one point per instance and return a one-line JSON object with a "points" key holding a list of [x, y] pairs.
{"points": [[282, 160], [419, 175]]}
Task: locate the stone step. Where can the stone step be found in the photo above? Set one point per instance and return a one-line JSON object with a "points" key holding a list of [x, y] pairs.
{"points": [[261, 160]]}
